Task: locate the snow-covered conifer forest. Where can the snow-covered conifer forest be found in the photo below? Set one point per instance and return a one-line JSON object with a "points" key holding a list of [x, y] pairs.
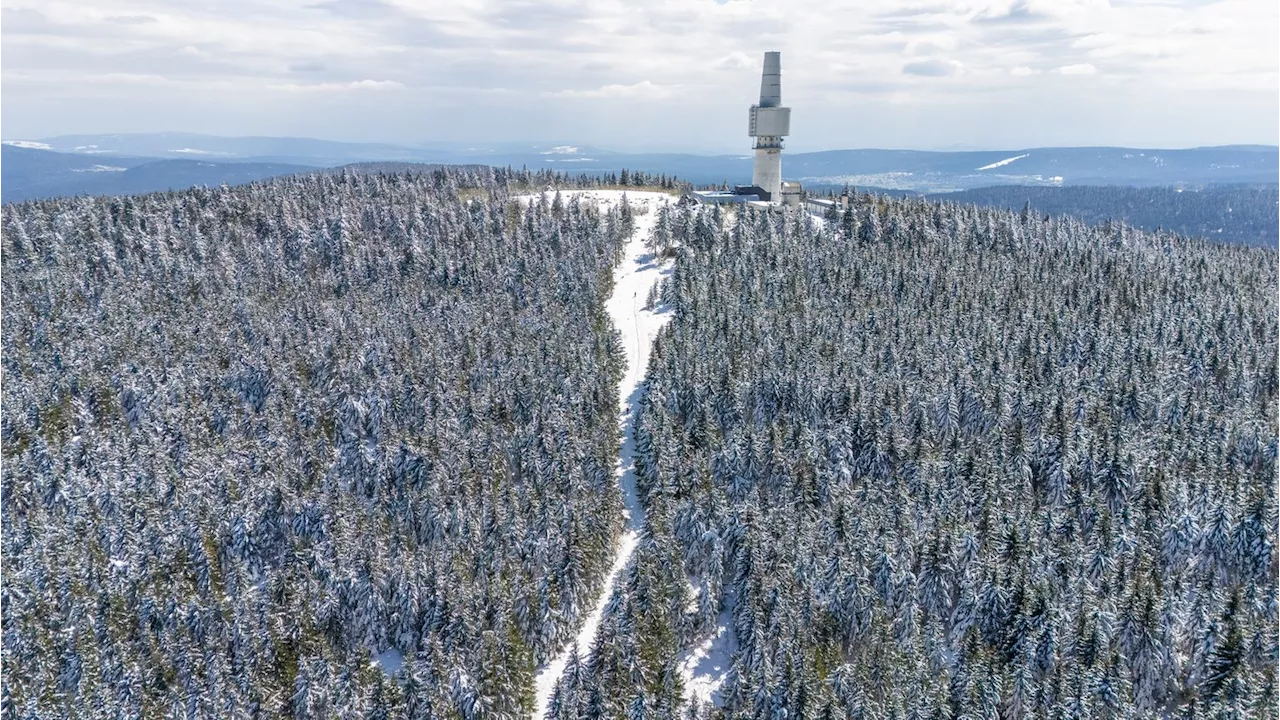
{"points": [[263, 444], [929, 461], [346, 446]]}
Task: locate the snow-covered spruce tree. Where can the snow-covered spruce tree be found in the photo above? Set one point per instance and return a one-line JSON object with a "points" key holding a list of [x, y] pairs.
{"points": [[941, 461], [253, 436]]}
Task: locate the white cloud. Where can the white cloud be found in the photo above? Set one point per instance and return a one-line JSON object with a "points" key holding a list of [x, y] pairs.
{"points": [[376, 84], [933, 68], [643, 89], [735, 61], [135, 78], [130, 19], [253, 66], [337, 86], [1077, 69]]}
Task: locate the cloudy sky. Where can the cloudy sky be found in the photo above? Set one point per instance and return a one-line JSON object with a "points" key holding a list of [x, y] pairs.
{"points": [[648, 74]]}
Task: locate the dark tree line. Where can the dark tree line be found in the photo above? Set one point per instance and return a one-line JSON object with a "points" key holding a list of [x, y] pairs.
{"points": [[254, 436], [1244, 214]]}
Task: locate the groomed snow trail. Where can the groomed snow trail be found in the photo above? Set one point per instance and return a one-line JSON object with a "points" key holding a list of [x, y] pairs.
{"points": [[632, 280]]}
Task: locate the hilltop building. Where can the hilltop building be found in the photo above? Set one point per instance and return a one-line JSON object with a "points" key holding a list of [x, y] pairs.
{"points": [[768, 122]]}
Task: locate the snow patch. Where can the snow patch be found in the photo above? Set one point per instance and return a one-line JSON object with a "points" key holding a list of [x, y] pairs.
{"points": [[29, 144], [704, 667], [194, 151], [390, 660], [1004, 162], [561, 150], [101, 168], [632, 280]]}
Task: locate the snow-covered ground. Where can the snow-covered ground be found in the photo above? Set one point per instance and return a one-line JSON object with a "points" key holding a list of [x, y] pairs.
{"points": [[29, 144], [1002, 163], [389, 660], [197, 151], [704, 666], [632, 279]]}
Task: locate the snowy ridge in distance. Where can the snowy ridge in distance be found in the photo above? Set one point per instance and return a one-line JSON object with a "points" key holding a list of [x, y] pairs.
{"points": [[1002, 163]]}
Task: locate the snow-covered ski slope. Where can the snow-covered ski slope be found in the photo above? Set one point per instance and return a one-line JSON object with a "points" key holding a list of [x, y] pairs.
{"points": [[631, 282], [1002, 163]]}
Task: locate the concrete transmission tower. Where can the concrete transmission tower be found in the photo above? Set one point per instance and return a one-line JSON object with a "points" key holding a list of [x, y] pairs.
{"points": [[769, 123]]}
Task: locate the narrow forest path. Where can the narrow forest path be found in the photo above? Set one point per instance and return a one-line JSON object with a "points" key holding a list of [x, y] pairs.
{"points": [[632, 279]]}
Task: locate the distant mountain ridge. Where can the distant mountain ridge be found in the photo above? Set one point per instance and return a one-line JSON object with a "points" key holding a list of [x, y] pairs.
{"points": [[32, 174], [938, 172], [303, 151], [123, 164]]}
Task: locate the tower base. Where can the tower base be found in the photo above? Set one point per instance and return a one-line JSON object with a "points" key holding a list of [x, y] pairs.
{"points": [[767, 174]]}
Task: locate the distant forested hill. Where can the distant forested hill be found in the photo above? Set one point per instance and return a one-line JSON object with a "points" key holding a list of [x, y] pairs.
{"points": [[30, 174], [1249, 215], [939, 461], [255, 438]]}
